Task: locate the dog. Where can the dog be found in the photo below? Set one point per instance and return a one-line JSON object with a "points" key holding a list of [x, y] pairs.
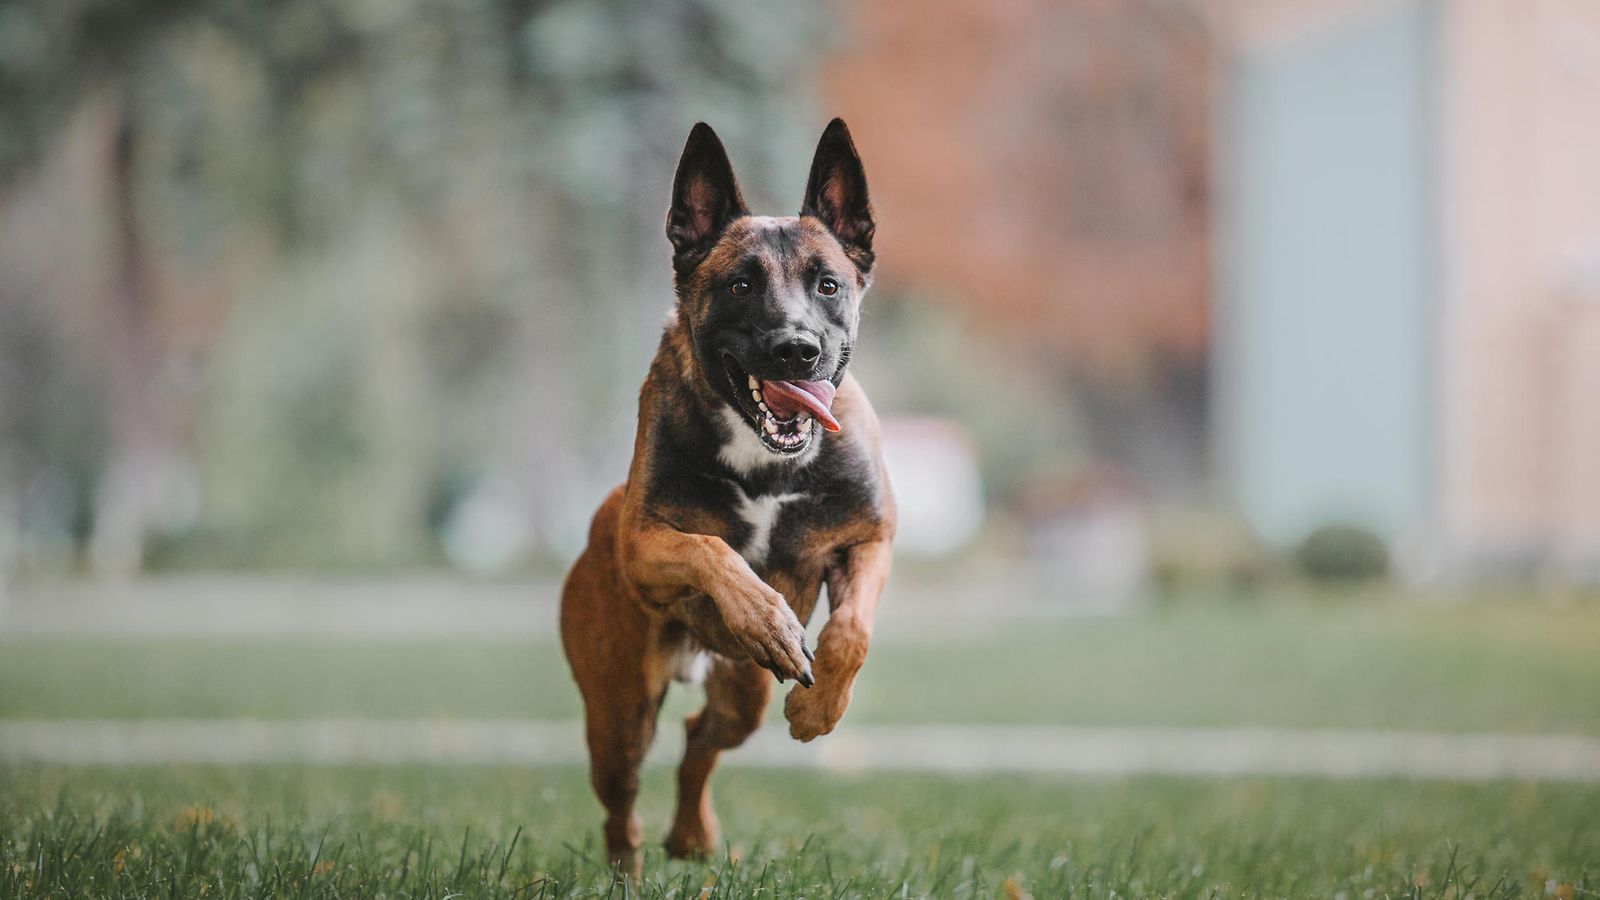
{"points": [[756, 478]]}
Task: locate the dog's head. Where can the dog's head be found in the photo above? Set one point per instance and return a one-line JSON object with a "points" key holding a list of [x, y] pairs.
{"points": [[772, 304]]}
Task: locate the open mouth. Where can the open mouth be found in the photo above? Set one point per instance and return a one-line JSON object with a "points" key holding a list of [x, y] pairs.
{"points": [[784, 414]]}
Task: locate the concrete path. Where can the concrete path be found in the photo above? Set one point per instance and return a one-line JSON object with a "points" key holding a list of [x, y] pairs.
{"points": [[199, 606], [422, 605], [925, 748]]}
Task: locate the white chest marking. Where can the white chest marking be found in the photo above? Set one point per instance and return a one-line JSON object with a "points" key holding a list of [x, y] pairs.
{"points": [[760, 513]]}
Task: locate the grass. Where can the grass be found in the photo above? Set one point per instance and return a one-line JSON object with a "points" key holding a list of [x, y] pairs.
{"points": [[409, 831], [1476, 667], [421, 832]]}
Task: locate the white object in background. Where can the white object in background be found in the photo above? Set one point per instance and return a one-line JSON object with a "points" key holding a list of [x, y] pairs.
{"points": [[1093, 556], [934, 470], [486, 533]]}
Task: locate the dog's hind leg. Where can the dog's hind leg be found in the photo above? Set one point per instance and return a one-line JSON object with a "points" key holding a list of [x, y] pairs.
{"points": [[737, 692], [622, 672], [622, 694], [619, 734]]}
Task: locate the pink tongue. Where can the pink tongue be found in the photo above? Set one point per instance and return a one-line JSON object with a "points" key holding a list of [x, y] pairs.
{"points": [[786, 398]]}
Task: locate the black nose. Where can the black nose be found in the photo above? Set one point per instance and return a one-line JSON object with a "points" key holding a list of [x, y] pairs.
{"points": [[795, 351]]}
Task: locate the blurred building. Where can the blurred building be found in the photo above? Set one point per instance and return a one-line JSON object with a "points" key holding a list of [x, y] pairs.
{"points": [[1408, 329]]}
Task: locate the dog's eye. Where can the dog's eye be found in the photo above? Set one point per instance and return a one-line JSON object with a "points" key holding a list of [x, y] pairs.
{"points": [[828, 287], [739, 288]]}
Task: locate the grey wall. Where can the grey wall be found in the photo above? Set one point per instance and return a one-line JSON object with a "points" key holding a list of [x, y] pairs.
{"points": [[1324, 323]]}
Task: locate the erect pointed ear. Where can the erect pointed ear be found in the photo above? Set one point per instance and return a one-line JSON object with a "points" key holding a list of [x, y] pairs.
{"points": [[837, 194], [705, 198]]}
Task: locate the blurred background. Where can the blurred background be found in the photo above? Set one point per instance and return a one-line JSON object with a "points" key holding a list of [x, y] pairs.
{"points": [[1171, 291], [1239, 363]]}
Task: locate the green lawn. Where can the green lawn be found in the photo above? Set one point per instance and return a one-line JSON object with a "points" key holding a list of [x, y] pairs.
{"points": [[1508, 666], [421, 832], [407, 831]]}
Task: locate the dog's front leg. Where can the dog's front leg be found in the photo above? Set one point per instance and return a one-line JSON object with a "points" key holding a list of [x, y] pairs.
{"points": [[853, 589], [667, 564]]}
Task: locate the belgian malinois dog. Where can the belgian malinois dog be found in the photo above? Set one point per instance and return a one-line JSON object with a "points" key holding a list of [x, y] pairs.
{"points": [[756, 479]]}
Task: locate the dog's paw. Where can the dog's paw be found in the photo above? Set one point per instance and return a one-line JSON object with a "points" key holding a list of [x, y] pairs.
{"points": [[770, 633], [813, 713], [693, 839]]}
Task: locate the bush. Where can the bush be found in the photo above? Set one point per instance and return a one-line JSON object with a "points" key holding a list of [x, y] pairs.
{"points": [[1342, 553], [1203, 549]]}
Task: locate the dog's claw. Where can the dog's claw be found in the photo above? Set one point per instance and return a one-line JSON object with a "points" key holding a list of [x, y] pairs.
{"points": [[805, 677], [810, 657]]}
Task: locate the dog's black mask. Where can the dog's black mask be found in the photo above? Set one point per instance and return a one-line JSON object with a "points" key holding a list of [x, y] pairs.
{"points": [[772, 304]]}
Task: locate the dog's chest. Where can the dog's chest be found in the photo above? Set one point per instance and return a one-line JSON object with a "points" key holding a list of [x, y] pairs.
{"points": [[762, 516]]}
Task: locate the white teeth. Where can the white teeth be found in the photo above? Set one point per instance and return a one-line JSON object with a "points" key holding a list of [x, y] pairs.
{"points": [[756, 396], [754, 384], [770, 426], [762, 405], [805, 425]]}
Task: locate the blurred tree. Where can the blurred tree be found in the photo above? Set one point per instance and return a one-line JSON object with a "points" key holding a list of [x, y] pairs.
{"points": [[358, 259], [1052, 177], [53, 55]]}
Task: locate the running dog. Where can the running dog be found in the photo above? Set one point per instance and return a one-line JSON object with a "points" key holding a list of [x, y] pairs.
{"points": [[756, 479]]}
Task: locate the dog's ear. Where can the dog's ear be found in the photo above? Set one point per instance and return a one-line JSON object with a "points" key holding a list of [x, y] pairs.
{"points": [[836, 193], [705, 198]]}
